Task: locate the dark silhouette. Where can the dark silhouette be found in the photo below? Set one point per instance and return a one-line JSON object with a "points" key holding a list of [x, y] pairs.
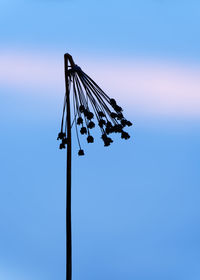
{"points": [[87, 97]]}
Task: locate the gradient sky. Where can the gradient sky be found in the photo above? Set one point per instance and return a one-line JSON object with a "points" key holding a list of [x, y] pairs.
{"points": [[135, 205]]}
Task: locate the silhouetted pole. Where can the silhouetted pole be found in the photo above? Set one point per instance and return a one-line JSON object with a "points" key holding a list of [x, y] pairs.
{"points": [[68, 58], [87, 97]]}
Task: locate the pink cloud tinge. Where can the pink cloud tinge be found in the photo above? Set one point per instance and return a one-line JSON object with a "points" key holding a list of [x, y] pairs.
{"points": [[148, 86]]}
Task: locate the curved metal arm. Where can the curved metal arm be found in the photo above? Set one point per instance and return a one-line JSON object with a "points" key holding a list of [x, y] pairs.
{"points": [[67, 56]]}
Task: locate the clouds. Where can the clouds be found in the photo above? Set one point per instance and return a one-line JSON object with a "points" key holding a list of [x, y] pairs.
{"points": [[149, 86]]}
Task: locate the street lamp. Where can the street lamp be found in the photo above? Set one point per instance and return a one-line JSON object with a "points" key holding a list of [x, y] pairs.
{"points": [[90, 102]]}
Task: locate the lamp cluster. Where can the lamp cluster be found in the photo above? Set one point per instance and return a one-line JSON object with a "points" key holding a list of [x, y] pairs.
{"points": [[90, 102]]}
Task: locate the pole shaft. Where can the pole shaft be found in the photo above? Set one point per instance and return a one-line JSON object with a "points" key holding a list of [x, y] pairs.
{"points": [[68, 180]]}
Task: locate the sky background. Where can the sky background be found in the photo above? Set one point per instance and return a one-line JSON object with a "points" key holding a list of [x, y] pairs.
{"points": [[135, 205]]}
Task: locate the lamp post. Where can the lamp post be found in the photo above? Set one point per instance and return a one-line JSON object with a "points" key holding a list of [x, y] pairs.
{"points": [[89, 101]]}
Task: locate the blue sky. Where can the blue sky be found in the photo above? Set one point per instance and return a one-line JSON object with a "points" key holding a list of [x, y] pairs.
{"points": [[128, 27], [135, 205]]}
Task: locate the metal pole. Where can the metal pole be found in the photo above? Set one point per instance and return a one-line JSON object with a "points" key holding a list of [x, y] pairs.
{"points": [[68, 180]]}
